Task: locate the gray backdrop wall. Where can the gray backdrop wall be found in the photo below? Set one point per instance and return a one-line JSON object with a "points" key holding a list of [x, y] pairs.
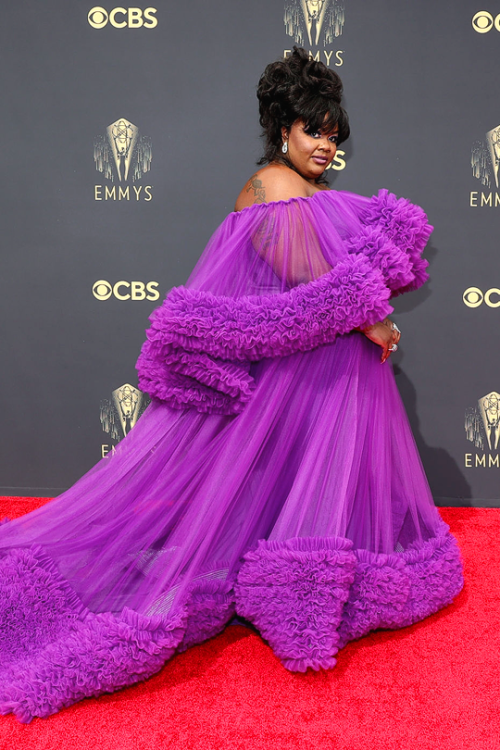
{"points": [[128, 132]]}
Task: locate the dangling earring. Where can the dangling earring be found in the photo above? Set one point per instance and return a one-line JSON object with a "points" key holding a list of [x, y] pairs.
{"points": [[284, 147]]}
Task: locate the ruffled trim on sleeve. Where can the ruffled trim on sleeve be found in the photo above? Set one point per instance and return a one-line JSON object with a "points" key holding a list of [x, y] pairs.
{"points": [[197, 340], [393, 238], [184, 379]]}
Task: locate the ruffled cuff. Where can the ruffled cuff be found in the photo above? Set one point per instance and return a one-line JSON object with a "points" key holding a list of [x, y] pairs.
{"points": [[393, 238], [194, 379], [197, 341]]}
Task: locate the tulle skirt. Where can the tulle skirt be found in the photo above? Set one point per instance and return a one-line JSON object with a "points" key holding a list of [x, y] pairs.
{"points": [[308, 514]]}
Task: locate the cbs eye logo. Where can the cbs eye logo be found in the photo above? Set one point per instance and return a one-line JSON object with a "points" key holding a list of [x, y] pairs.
{"points": [[474, 297], [133, 18], [483, 22], [125, 290]]}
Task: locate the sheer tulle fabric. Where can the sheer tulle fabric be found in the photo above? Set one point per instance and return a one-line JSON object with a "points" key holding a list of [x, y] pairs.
{"points": [[274, 473]]}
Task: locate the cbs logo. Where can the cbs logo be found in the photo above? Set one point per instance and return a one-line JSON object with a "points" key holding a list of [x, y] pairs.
{"points": [[124, 290], [483, 22], [473, 297], [338, 162], [134, 18]]}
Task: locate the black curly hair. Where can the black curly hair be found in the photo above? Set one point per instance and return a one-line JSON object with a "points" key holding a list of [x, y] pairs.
{"points": [[298, 87]]}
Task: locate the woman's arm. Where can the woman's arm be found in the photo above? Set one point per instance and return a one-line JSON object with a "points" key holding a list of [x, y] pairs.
{"points": [[302, 260], [286, 239]]}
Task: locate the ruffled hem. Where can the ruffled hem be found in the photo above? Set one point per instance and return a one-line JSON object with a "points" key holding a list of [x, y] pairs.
{"points": [[197, 340], [54, 651], [309, 597]]}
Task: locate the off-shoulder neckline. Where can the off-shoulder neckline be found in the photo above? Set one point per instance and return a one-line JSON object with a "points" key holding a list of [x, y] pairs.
{"points": [[283, 201]]}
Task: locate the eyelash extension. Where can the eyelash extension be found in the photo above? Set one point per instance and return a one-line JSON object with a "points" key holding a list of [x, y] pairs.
{"points": [[316, 132]]}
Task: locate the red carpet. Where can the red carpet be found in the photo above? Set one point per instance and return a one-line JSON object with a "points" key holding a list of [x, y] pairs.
{"points": [[434, 686]]}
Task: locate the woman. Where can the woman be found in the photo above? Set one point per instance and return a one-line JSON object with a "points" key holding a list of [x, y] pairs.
{"points": [[274, 474]]}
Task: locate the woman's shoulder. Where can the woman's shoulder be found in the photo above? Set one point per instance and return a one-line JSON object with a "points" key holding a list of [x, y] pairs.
{"points": [[274, 182]]}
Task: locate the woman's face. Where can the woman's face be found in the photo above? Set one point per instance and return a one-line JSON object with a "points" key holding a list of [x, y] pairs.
{"points": [[310, 153]]}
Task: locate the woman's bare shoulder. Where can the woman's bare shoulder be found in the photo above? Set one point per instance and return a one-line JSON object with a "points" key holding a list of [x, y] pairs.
{"points": [[275, 182]]}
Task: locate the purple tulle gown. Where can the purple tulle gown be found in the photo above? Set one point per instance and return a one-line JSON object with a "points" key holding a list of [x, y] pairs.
{"points": [[274, 474]]}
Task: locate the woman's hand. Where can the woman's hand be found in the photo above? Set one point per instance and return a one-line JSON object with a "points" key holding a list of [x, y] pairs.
{"points": [[385, 334]]}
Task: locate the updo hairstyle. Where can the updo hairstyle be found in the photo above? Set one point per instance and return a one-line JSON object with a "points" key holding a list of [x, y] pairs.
{"points": [[298, 87]]}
